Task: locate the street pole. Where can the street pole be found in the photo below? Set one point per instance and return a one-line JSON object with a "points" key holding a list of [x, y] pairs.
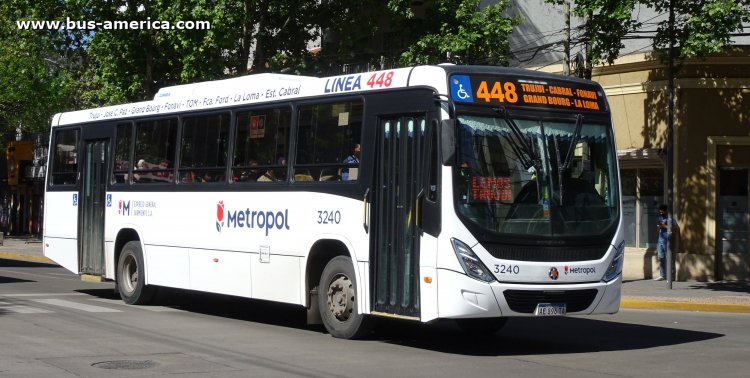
{"points": [[566, 59], [670, 144]]}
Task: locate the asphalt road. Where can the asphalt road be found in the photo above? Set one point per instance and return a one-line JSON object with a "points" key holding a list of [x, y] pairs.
{"points": [[52, 324]]}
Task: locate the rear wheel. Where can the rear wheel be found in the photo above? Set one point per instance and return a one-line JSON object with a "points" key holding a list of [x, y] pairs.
{"points": [[131, 283], [338, 300]]}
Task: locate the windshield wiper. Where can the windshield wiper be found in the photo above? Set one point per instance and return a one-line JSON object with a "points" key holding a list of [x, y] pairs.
{"points": [[573, 141], [562, 168], [527, 155]]}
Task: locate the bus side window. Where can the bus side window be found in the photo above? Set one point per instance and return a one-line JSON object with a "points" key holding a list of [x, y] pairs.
{"points": [[203, 148], [261, 145], [154, 142], [121, 162], [65, 158], [328, 142]]}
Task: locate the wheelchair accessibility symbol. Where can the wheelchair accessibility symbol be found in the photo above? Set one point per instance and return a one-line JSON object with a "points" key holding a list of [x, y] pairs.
{"points": [[460, 87], [462, 94]]}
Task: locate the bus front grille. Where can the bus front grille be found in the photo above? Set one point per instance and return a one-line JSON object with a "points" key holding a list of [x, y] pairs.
{"points": [[525, 301], [546, 253]]}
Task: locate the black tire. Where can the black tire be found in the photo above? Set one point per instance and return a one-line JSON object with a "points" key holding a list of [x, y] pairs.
{"points": [[481, 327], [337, 301], [131, 283]]}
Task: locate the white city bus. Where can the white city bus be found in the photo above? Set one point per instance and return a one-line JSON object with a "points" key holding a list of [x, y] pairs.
{"points": [[423, 193]]}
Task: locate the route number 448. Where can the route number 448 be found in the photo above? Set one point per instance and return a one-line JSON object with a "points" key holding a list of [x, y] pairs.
{"points": [[502, 92], [384, 79]]}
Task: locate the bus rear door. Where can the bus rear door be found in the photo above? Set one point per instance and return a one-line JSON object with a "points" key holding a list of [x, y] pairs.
{"points": [[92, 197]]}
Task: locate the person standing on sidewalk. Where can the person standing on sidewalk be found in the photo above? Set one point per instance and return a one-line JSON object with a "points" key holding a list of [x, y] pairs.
{"points": [[664, 235]]}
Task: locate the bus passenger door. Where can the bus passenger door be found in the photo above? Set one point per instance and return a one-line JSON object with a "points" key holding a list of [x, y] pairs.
{"points": [[397, 190], [91, 205]]}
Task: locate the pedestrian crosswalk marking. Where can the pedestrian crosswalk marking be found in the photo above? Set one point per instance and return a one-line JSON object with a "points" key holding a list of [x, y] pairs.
{"points": [[24, 307], [21, 309], [118, 302], [75, 305]]}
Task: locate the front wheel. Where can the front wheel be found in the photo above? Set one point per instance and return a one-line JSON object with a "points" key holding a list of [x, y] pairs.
{"points": [[337, 301], [131, 278]]}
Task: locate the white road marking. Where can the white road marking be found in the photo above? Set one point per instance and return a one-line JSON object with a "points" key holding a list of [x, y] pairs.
{"points": [[21, 309], [75, 306], [119, 302]]}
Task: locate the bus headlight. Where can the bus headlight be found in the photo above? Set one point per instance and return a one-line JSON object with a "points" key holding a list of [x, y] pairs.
{"points": [[615, 267], [470, 262]]}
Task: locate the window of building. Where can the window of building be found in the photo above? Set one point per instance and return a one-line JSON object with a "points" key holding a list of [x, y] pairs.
{"points": [[154, 151], [65, 157], [328, 142], [203, 148], [733, 219], [261, 145], [642, 193]]}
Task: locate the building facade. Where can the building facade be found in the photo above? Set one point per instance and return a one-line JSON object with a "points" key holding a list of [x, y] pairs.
{"points": [[711, 143], [711, 160]]}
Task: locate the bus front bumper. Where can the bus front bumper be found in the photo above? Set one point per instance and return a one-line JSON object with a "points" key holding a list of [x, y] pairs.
{"points": [[464, 297]]}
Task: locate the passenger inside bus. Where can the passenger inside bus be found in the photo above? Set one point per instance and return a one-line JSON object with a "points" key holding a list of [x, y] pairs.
{"points": [[140, 173], [250, 174], [162, 172], [352, 160]]}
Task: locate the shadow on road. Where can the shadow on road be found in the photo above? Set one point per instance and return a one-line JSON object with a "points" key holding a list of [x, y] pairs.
{"points": [[5, 263], [4, 280], [252, 310], [737, 287], [8, 263], [540, 336], [520, 336]]}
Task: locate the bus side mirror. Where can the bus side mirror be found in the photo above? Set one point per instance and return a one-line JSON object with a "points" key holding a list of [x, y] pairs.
{"points": [[448, 141]]}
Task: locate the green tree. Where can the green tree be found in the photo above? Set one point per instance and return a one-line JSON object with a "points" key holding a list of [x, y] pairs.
{"points": [[38, 68], [700, 28], [244, 36], [459, 31], [131, 64], [59, 69], [405, 32]]}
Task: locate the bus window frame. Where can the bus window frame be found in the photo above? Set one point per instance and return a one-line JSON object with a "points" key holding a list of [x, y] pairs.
{"points": [[135, 122], [177, 165], [231, 166], [363, 98], [52, 187], [131, 151]]}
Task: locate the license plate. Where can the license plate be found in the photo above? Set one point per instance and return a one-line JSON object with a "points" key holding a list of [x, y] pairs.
{"points": [[550, 309]]}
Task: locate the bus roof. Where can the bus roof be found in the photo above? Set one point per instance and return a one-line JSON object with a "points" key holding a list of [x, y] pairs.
{"points": [[268, 87], [250, 89]]}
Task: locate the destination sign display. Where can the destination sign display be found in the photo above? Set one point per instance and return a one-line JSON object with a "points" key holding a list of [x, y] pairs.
{"points": [[520, 91]]}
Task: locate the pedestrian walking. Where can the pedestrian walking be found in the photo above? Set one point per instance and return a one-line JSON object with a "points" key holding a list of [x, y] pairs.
{"points": [[665, 237]]}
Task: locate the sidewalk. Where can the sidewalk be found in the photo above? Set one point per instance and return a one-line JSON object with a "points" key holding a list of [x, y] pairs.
{"points": [[722, 296], [645, 294], [25, 249]]}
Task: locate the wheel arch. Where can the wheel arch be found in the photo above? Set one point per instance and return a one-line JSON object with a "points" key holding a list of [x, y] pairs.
{"points": [[123, 237], [321, 252]]}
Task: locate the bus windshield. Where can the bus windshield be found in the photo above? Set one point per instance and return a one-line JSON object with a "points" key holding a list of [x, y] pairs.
{"points": [[536, 177]]}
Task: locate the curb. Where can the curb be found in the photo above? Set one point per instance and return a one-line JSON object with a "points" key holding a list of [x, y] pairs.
{"points": [[22, 257], [647, 304]]}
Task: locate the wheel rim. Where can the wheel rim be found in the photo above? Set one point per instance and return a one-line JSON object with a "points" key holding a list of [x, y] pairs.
{"points": [[129, 274], [341, 297]]}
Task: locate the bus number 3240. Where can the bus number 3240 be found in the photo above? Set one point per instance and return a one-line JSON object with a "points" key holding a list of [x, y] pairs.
{"points": [[507, 269], [329, 217]]}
